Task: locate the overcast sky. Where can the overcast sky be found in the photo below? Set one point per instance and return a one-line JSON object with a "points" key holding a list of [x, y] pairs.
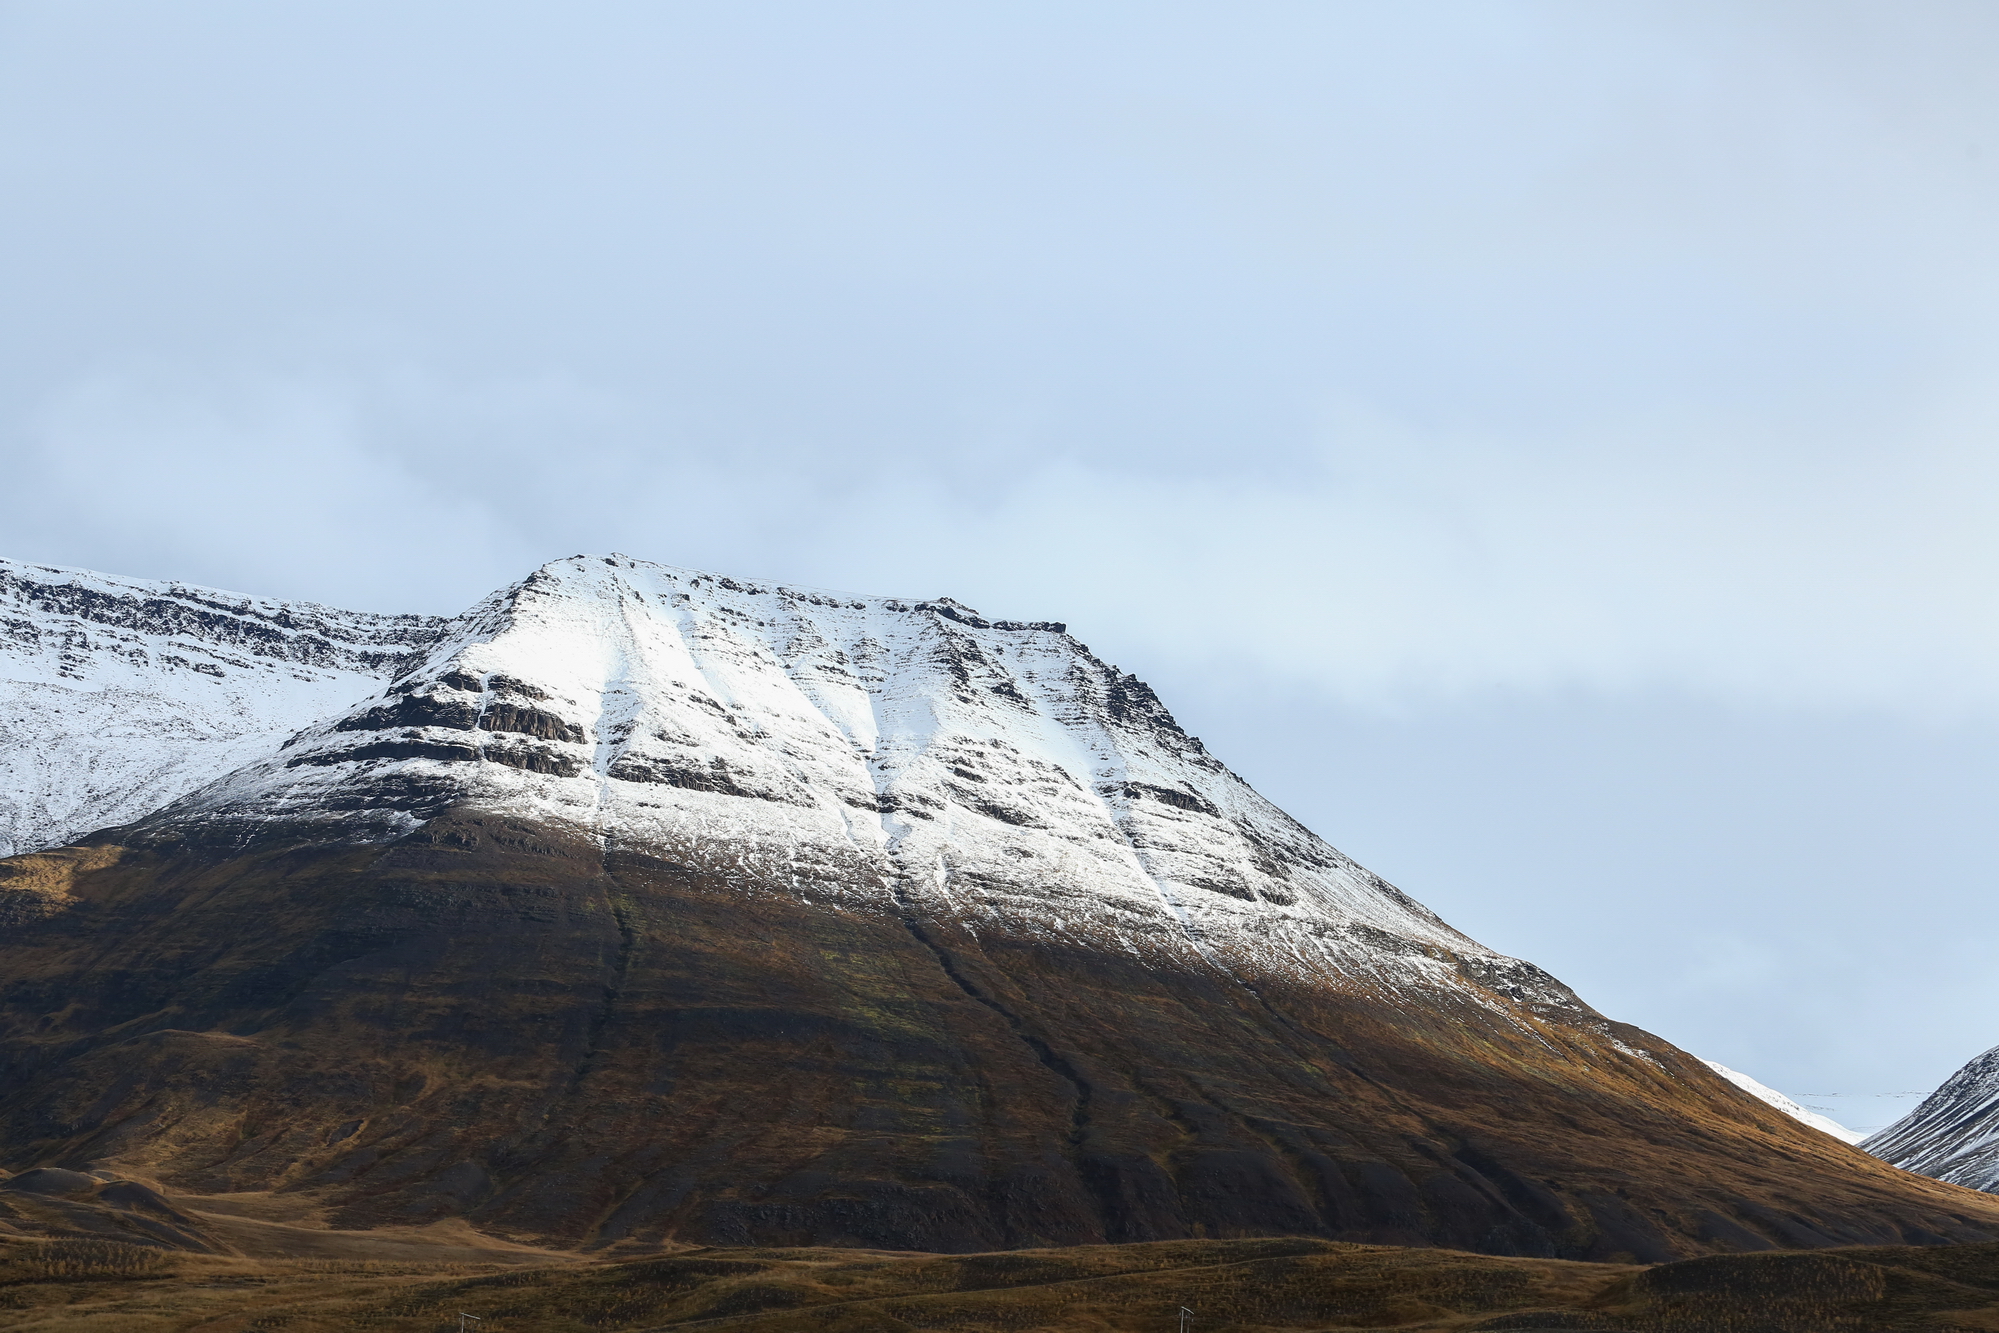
{"points": [[1549, 447]]}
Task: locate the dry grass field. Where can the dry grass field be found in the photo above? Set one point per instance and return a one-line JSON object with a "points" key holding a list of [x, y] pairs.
{"points": [[1241, 1286]]}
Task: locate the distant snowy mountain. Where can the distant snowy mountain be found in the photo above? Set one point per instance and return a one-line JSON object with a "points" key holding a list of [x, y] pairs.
{"points": [[118, 695], [1954, 1134], [1770, 1096]]}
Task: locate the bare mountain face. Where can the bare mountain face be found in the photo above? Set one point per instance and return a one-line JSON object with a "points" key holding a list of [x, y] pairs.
{"points": [[118, 695], [1953, 1135], [647, 904]]}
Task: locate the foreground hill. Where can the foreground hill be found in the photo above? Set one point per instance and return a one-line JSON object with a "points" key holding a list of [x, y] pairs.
{"points": [[1240, 1286], [646, 906]]}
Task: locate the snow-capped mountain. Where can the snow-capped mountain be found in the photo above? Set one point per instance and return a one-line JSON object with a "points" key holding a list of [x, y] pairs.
{"points": [[1954, 1134], [118, 695], [858, 747], [1825, 1124], [644, 903]]}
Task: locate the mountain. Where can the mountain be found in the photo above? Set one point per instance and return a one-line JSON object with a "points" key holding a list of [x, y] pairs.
{"points": [[1954, 1134], [641, 904], [118, 695], [1825, 1124]]}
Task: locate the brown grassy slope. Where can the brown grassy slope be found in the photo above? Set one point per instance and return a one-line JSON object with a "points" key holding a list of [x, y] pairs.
{"points": [[500, 1022], [1246, 1286]]}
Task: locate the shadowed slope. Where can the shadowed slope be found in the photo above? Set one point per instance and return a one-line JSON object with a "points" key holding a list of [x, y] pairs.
{"points": [[561, 1040]]}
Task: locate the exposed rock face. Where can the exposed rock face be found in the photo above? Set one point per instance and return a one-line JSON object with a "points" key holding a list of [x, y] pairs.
{"points": [[652, 904], [118, 695], [1954, 1134]]}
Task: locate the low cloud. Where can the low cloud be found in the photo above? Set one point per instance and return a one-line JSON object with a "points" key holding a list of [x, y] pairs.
{"points": [[1388, 567]]}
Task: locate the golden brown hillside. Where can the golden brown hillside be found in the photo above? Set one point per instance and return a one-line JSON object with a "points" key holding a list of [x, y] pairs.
{"points": [[572, 1045]]}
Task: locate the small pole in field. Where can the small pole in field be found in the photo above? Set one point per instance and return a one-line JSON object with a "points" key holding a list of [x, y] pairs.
{"points": [[1185, 1315], [462, 1317]]}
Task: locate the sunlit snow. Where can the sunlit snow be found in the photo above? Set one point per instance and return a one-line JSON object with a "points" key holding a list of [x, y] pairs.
{"points": [[119, 695], [1803, 1115]]}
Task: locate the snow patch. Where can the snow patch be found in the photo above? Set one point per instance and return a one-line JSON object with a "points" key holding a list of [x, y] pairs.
{"points": [[1770, 1096]]}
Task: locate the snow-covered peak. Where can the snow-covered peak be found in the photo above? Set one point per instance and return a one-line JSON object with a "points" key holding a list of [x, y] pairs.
{"points": [[866, 751], [1954, 1134], [118, 695], [1770, 1096]]}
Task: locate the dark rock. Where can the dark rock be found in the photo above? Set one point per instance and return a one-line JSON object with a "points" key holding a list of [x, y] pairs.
{"points": [[527, 721]]}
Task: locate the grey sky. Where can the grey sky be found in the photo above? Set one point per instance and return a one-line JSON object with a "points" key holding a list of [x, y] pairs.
{"points": [[1550, 447]]}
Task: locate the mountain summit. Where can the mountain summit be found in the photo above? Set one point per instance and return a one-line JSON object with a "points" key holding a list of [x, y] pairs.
{"points": [[645, 904], [871, 749]]}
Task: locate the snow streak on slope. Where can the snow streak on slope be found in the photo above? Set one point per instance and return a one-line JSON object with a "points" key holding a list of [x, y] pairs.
{"points": [[1803, 1115], [1954, 1134], [119, 695], [865, 753]]}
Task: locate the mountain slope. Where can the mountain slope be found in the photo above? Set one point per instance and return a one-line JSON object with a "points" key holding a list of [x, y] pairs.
{"points": [[1825, 1124], [1954, 1134], [650, 904], [118, 695]]}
